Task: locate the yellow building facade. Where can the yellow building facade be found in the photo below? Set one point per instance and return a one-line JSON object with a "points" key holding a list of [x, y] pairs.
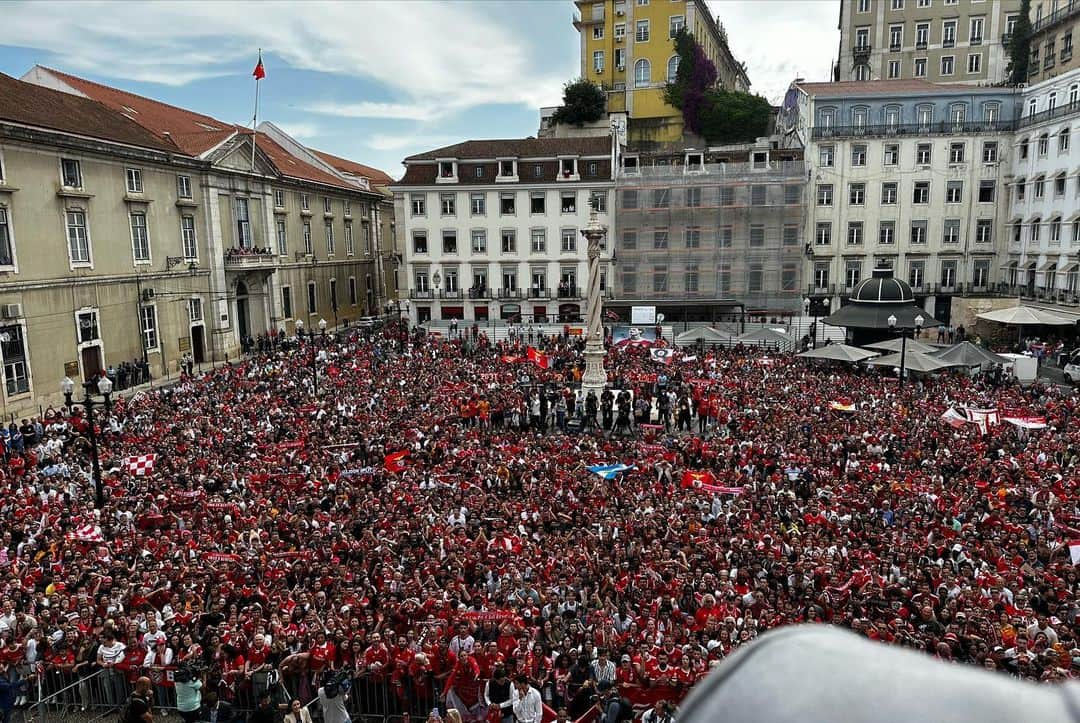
{"points": [[628, 48]]}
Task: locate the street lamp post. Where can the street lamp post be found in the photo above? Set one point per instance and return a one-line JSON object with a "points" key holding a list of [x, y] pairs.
{"points": [[595, 378], [813, 324], [903, 340], [88, 402]]}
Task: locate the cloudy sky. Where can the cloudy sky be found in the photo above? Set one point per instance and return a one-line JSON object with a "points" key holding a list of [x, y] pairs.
{"points": [[370, 80]]}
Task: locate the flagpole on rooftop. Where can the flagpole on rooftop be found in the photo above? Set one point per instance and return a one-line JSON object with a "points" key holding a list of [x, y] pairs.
{"points": [[259, 74]]}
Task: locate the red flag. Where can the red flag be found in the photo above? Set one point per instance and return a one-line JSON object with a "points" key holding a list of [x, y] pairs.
{"points": [[395, 462], [539, 358], [691, 478], [260, 71]]}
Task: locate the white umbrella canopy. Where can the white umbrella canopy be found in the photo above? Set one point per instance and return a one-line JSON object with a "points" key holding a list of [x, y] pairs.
{"points": [[1026, 316], [838, 352], [768, 335], [969, 355], [702, 333], [914, 361], [897, 345]]}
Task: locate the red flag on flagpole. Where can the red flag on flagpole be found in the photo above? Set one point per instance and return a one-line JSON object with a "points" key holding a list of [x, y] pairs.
{"points": [[395, 462], [539, 358], [260, 71]]}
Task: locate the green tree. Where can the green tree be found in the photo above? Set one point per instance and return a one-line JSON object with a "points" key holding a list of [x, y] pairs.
{"points": [[733, 117], [1020, 45], [583, 102]]}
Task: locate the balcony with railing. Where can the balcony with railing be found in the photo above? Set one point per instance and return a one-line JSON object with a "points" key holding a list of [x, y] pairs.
{"points": [[861, 53], [569, 292], [511, 294], [538, 292], [886, 130], [421, 294], [1060, 111], [250, 259], [1059, 15]]}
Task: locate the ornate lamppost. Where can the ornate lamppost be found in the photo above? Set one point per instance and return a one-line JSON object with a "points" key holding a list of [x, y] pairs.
{"points": [[595, 378], [89, 403]]}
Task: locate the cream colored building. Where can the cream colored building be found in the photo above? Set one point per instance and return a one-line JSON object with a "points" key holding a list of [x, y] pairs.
{"points": [[1054, 24], [167, 238], [940, 41]]}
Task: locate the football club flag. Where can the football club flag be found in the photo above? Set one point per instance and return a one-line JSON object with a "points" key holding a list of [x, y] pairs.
{"points": [[842, 405], [663, 355], [539, 358], [691, 478], [87, 533], [610, 471], [141, 465], [395, 462]]}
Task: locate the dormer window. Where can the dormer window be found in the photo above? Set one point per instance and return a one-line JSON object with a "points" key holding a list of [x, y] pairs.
{"points": [[568, 167], [761, 160], [693, 162], [630, 164], [506, 168], [446, 169]]}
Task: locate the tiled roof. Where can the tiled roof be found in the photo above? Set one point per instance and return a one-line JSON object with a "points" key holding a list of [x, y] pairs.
{"points": [[291, 166], [521, 148], [886, 87], [193, 133], [377, 177], [34, 105], [424, 174]]}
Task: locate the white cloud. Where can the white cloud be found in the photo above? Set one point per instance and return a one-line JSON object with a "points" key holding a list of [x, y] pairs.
{"points": [[390, 142], [387, 111], [436, 53], [304, 131], [780, 40]]}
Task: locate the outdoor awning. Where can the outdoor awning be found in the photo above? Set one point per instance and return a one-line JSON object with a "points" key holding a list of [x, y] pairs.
{"points": [[967, 354], [1074, 218], [1048, 265], [1036, 218], [1015, 220], [1025, 316], [702, 333], [1070, 267], [1038, 177], [895, 345], [838, 352], [913, 361]]}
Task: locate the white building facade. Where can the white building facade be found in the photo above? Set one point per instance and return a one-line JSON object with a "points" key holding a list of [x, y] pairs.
{"points": [[1043, 260], [490, 230], [909, 175]]}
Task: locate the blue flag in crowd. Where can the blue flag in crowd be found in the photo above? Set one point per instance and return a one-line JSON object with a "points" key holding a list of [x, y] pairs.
{"points": [[610, 471]]}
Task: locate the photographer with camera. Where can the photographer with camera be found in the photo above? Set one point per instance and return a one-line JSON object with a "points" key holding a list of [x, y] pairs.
{"points": [[332, 698], [611, 706], [661, 712], [188, 682]]}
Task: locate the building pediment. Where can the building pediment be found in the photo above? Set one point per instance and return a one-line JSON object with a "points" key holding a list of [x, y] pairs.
{"points": [[236, 156]]}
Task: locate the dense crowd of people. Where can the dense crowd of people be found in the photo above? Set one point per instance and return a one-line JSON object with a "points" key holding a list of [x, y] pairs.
{"points": [[428, 529]]}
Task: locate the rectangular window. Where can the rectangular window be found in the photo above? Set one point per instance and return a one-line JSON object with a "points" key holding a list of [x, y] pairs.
{"points": [[755, 280], [825, 156], [7, 258], [888, 193], [691, 280], [449, 242], [974, 63], [140, 238], [990, 152], [243, 224], [948, 34], [916, 274], [305, 229], [629, 199], [286, 302], [984, 231], [447, 203], [183, 186], [921, 192], [757, 235], [918, 233], [894, 69], [923, 154], [347, 208], [725, 236], [282, 238], [134, 180], [693, 237], [954, 191], [148, 316], [660, 279], [569, 202], [951, 233], [70, 173], [824, 194], [855, 233], [327, 205], [641, 31], [821, 276], [13, 351], [956, 152], [507, 206], [792, 194], [419, 240], [352, 291], [598, 61], [892, 154], [980, 273], [823, 233], [727, 196], [852, 273], [478, 204], [896, 37], [758, 195], [661, 198], [330, 245], [598, 201], [479, 241], [78, 238], [987, 191], [418, 206], [539, 241], [858, 155], [857, 194], [920, 68], [948, 274], [790, 235], [349, 248], [620, 53], [693, 197], [333, 294], [509, 242], [305, 202], [675, 24], [922, 36], [536, 204], [660, 238], [312, 297], [887, 233]]}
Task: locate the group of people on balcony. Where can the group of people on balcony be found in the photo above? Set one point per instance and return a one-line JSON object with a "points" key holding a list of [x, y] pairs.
{"points": [[242, 251]]}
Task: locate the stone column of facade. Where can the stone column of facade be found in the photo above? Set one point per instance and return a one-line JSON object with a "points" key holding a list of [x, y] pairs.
{"points": [[595, 378]]}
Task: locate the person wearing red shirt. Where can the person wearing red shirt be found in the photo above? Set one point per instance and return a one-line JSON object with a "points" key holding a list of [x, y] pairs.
{"points": [[256, 667]]}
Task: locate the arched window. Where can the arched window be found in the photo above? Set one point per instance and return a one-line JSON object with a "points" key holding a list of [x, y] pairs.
{"points": [[642, 73], [672, 68], [1074, 93]]}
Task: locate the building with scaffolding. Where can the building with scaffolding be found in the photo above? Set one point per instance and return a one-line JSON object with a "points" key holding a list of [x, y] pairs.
{"points": [[711, 235]]}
